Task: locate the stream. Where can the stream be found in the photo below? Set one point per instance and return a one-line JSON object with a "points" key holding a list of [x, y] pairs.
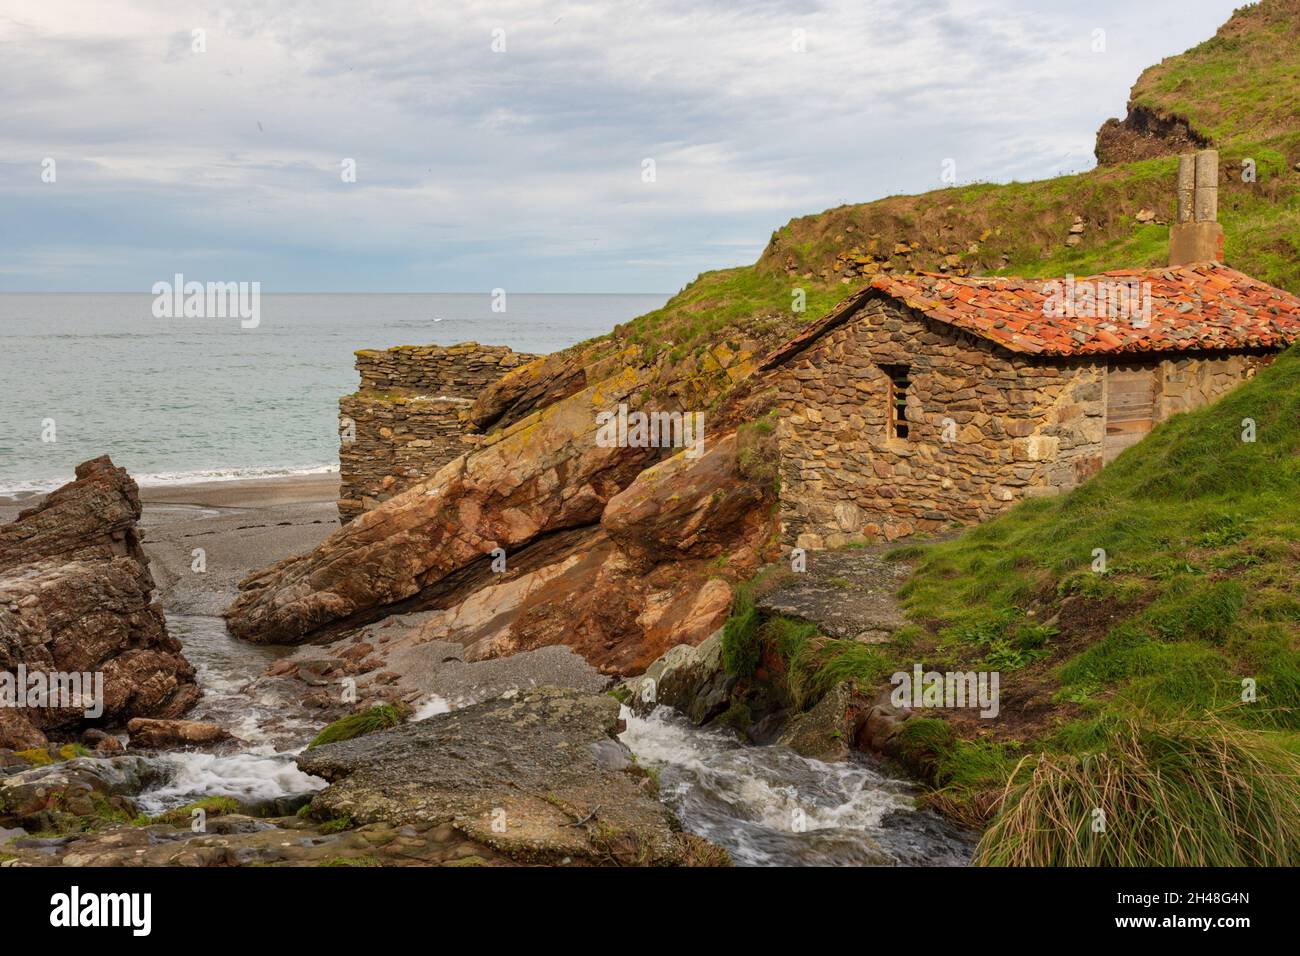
{"points": [[766, 805], [769, 806], [259, 712]]}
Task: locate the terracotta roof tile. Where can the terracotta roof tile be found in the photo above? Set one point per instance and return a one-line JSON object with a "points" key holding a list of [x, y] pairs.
{"points": [[1204, 306]]}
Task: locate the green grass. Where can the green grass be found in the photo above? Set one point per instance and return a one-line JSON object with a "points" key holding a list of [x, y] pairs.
{"points": [[727, 306], [211, 806], [1243, 82], [1192, 793], [379, 717], [1199, 598], [757, 454], [337, 824], [1175, 516]]}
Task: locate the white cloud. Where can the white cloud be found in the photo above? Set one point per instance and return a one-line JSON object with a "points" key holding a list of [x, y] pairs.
{"points": [[478, 168]]}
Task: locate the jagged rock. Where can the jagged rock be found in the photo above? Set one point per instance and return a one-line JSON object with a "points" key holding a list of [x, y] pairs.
{"points": [[76, 598], [1144, 134], [542, 475], [589, 596], [524, 390], [685, 507], [159, 734], [829, 730], [529, 774], [93, 517], [689, 679]]}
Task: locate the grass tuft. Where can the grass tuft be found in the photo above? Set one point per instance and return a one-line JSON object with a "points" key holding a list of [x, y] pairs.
{"points": [[1192, 793]]}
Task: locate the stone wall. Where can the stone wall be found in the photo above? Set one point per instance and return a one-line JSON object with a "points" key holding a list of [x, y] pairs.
{"points": [[986, 427], [1188, 382], [405, 420]]}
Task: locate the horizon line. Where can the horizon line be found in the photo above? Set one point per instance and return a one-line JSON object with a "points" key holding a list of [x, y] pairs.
{"points": [[300, 292]]}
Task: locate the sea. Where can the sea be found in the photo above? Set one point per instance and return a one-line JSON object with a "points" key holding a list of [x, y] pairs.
{"points": [[178, 400]]}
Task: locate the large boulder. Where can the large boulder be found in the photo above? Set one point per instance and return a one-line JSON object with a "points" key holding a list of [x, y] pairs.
{"points": [[76, 598], [829, 730], [93, 517], [690, 679], [544, 474], [688, 507], [537, 775], [153, 733]]}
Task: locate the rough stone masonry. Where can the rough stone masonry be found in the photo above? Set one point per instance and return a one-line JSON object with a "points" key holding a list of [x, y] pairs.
{"points": [[405, 421], [986, 427]]}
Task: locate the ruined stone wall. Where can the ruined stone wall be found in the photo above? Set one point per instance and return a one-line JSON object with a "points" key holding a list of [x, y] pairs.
{"points": [[986, 429], [404, 422]]}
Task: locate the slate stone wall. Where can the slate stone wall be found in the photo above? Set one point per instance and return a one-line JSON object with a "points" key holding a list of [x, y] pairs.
{"points": [[405, 420]]}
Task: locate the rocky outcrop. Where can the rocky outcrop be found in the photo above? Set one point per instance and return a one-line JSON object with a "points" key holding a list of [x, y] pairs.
{"points": [[1145, 133], [591, 598], [93, 517], [543, 475], [848, 594], [620, 571], [687, 507], [525, 389], [639, 573], [536, 775], [76, 599], [52, 797]]}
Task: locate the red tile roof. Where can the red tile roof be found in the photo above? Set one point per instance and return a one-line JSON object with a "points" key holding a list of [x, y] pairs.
{"points": [[1204, 306]]}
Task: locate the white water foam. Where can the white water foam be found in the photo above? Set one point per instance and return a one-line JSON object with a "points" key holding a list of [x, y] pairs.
{"points": [[252, 776], [431, 706], [767, 805], [166, 479]]}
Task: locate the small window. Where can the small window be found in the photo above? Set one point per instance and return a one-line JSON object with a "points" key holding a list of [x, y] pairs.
{"points": [[899, 380]]}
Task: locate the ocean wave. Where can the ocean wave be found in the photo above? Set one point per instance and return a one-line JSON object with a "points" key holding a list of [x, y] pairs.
{"points": [[23, 488]]}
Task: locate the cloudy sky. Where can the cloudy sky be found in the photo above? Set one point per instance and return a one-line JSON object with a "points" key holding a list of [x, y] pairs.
{"points": [[522, 166]]}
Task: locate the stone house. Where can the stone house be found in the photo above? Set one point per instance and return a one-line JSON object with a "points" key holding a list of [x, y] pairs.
{"points": [[929, 399]]}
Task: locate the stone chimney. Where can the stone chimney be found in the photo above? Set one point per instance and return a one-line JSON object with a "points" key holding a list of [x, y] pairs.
{"points": [[1197, 235]]}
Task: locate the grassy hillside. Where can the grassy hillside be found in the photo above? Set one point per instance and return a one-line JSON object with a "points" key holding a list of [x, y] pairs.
{"points": [[1146, 630], [1242, 83], [1146, 626], [1142, 660], [1241, 89]]}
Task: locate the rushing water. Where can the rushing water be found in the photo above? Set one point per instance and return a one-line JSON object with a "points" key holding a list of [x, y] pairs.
{"points": [[765, 805], [771, 806], [256, 710]]}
